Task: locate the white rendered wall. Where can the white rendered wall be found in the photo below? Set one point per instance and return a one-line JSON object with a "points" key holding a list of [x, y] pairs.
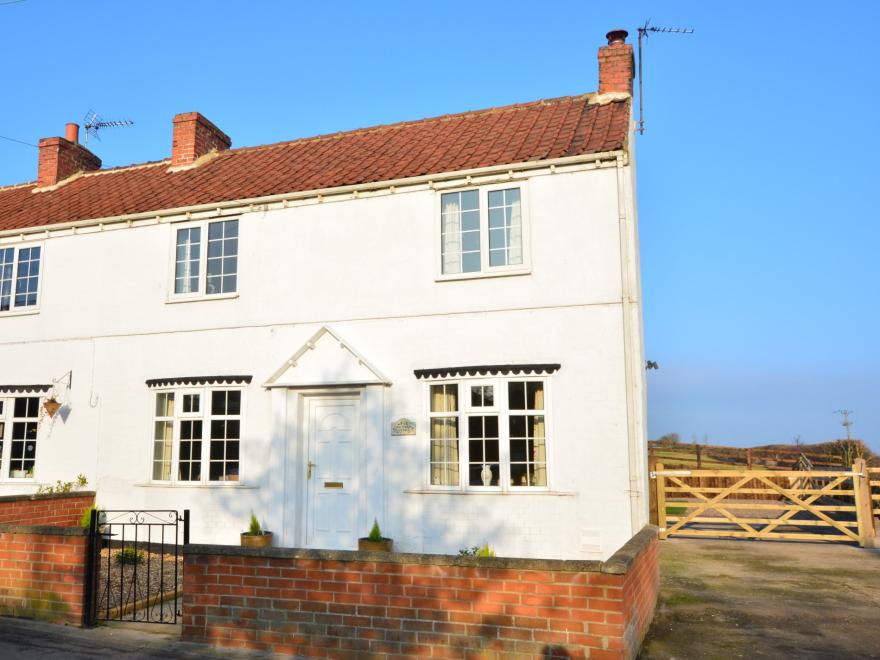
{"points": [[366, 268]]}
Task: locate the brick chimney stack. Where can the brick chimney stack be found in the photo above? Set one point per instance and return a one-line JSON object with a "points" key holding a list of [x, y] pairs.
{"points": [[195, 136], [62, 157], [616, 64]]}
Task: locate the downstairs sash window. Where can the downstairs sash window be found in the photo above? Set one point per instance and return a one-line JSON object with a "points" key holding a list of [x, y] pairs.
{"points": [[488, 434], [196, 435]]}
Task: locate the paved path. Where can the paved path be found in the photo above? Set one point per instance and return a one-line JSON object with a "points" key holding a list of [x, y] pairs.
{"points": [[766, 599], [20, 638]]}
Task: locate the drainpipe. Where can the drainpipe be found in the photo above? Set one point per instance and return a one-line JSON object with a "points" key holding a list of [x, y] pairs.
{"points": [[626, 287]]}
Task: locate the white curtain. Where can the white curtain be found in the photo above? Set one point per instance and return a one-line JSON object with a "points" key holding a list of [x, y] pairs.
{"points": [[451, 228], [514, 249]]}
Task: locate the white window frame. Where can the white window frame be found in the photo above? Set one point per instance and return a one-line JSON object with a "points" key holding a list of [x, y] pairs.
{"points": [[205, 417], [502, 410], [7, 418], [19, 310], [485, 269], [201, 294]]}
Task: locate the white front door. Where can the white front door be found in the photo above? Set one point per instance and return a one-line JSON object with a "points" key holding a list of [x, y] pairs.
{"points": [[334, 432]]}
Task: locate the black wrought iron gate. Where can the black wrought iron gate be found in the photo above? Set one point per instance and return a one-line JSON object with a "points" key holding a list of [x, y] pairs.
{"points": [[135, 565]]}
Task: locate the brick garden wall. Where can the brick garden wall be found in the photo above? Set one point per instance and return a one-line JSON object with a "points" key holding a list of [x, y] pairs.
{"points": [[338, 604], [42, 572], [43, 556], [56, 509]]}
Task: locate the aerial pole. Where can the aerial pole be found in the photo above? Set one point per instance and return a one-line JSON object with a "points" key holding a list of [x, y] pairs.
{"points": [[643, 32]]}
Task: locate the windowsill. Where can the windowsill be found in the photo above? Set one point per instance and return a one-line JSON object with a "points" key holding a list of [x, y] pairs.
{"points": [[11, 481], [202, 298], [481, 275], [515, 493], [21, 312], [217, 484]]}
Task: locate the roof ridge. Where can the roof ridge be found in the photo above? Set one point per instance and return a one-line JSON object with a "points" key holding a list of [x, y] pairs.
{"points": [[12, 186], [413, 122], [341, 134]]}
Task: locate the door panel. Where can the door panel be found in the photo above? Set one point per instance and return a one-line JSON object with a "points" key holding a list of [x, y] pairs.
{"points": [[334, 439]]}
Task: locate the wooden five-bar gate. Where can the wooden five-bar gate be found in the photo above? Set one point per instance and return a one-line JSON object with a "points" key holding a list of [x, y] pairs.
{"points": [[816, 505]]}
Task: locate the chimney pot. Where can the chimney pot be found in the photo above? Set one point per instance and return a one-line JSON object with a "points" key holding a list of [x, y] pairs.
{"points": [[616, 64], [617, 37], [71, 133], [60, 158]]}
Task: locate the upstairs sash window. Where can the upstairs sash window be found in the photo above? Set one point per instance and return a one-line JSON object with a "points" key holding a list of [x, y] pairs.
{"points": [[206, 259], [482, 232], [20, 277]]}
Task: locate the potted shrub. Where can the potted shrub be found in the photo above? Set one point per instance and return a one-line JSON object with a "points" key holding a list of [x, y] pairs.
{"points": [[375, 542], [477, 551], [256, 536]]}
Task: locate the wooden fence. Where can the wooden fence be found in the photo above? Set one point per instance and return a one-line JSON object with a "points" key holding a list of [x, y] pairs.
{"points": [[768, 504], [874, 478], [720, 457]]}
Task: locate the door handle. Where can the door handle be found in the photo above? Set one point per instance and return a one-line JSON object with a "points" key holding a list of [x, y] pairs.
{"points": [[311, 465]]}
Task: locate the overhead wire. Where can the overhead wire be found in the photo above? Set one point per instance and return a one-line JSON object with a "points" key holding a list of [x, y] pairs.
{"points": [[29, 144]]}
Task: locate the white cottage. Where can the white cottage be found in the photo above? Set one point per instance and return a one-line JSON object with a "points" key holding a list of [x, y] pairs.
{"points": [[435, 324]]}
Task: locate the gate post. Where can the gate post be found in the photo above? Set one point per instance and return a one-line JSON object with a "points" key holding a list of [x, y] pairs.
{"points": [[88, 618], [661, 500], [864, 514], [652, 492]]}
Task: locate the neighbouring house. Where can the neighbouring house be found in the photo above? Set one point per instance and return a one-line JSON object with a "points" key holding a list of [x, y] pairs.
{"points": [[436, 324]]}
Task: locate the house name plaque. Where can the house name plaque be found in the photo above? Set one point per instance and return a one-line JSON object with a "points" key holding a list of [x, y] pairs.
{"points": [[403, 426]]}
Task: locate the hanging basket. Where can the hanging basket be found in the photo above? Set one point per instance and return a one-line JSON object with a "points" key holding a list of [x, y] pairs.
{"points": [[51, 406]]}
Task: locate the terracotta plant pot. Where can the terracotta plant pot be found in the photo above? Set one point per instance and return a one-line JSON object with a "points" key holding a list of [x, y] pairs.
{"points": [[51, 407], [263, 540], [366, 545]]}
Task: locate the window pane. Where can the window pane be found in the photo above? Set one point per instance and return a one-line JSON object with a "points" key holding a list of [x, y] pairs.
{"points": [[444, 398], [482, 396], [470, 262], [191, 403], [27, 277], [535, 396], [470, 200], [165, 404], [186, 269], [7, 256], [460, 232], [222, 257], [483, 466], [218, 403], [516, 395], [23, 449], [444, 451], [505, 227], [223, 450], [233, 403]]}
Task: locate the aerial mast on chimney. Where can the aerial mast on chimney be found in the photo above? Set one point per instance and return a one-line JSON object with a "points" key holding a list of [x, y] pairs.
{"points": [[643, 32], [93, 122]]}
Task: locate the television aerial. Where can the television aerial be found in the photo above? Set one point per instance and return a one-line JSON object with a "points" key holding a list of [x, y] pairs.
{"points": [[643, 32], [93, 122]]}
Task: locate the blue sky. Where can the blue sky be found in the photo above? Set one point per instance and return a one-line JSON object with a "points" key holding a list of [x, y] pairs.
{"points": [[759, 237]]}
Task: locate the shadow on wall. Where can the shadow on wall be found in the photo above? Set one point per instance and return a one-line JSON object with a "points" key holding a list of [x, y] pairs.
{"points": [[418, 523]]}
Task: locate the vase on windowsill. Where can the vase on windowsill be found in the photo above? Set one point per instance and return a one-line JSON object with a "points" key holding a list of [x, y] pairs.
{"points": [[486, 475]]}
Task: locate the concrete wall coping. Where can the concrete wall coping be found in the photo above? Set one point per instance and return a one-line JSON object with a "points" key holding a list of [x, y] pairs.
{"points": [[47, 530], [619, 563], [46, 496]]}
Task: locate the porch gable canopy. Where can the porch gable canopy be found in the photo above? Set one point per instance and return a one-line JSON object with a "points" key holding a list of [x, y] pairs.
{"points": [[326, 360]]}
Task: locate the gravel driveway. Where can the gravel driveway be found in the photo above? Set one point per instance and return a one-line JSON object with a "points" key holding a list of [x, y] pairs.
{"points": [[766, 599]]}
